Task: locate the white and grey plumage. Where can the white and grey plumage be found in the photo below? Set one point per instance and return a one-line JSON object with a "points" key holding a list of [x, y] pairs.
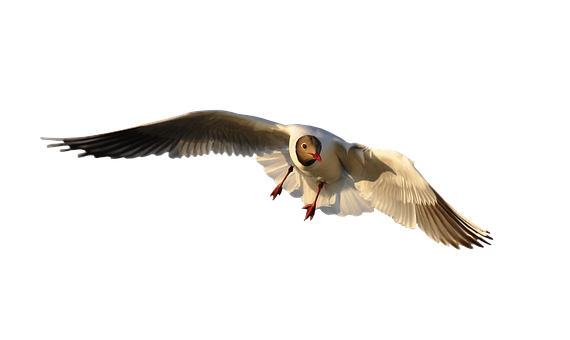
{"points": [[326, 172]]}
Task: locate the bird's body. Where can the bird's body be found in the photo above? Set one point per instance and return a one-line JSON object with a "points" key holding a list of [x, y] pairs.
{"points": [[326, 172]]}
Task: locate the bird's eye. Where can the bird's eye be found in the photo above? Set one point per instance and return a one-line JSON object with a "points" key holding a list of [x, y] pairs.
{"points": [[304, 146]]}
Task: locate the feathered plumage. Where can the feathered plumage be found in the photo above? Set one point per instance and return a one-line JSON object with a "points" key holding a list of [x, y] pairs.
{"points": [[328, 173]]}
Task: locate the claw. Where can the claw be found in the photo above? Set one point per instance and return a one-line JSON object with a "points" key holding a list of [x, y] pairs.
{"points": [[310, 211], [313, 206], [277, 191]]}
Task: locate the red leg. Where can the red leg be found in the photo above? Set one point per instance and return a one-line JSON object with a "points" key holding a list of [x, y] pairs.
{"points": [[311, 207], [279, 188]]}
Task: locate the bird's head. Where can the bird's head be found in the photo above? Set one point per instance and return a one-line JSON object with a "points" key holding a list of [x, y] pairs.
{"points": [[308, 149]]}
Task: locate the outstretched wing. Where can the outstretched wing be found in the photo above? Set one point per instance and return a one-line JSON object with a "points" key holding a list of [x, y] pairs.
{"points": [[391, 183], [192, 134]]}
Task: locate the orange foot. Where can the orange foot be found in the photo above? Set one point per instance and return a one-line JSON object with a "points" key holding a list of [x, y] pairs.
{"points": [[310, 208], [310, 211], [277, 191]]}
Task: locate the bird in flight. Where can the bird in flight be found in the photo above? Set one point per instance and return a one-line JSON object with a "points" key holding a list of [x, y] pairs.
{"points": [[322, 169]]}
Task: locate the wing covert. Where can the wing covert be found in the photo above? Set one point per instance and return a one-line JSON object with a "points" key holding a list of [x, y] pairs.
{"points": [[192, 134], [391, 183]]}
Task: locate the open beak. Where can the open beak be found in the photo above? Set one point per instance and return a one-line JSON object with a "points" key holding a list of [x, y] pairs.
{"points": [[317, 157]]}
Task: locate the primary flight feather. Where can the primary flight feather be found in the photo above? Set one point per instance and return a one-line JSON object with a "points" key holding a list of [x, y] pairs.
{"points": [[322, 169]]}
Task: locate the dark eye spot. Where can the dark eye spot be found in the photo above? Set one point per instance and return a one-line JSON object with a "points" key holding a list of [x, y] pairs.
{"points": [[304, 146]]}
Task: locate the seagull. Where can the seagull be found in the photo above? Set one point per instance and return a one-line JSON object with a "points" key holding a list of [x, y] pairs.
{"points": [[322, 169]]}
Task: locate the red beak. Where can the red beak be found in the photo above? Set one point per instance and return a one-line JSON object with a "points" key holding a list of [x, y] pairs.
{"points": [[317, 157]]}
